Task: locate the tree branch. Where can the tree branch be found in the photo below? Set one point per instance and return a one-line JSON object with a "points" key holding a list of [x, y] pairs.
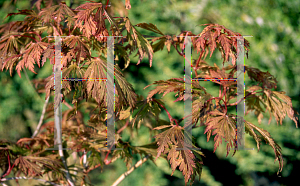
{"points": [[69, 178], [122, 177], [25, 178], [236, 103], [41, 118]]}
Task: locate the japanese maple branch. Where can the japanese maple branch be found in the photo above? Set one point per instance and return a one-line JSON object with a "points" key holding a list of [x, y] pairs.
{"points": [[35, 34], [106, 4], [196, 67], [61, 154], [122, 177], [219, 103], [41, 118], [25, 178], [69, 178], [9, 167], [180, 53], [124, 127], [251, 93], [26, 36], [105, 161]]}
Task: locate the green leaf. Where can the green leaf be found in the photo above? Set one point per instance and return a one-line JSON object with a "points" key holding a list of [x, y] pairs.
{"points": [[150, 27], [136, 40]]}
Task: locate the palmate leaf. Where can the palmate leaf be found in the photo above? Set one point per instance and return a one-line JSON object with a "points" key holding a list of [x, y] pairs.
{"points": [[223, 126], [215, 35], [137, 41], [94, 159], [66, 85], [124, 154], [254, 103], [100, 26], [31, 56], [9, 44], [267, 80], [33, 166], [78, 48], [124, 90], [186, 159], [165, 40], [162, 41], [200, 108], [33, 142], [180, 39], [263, 134], [10, 27], [146, 110], [278, 104], [121, 50], [174, 85], [48, 53], [150, 27], [10, 47], [168, 142], [85, 16], [58, 13], [125, 94], [29, 23], [96, 71]]}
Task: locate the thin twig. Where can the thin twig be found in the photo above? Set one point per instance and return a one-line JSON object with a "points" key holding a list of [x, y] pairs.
{"points": [[122, 177], [25, 178], [106, 4], [41, 118], [180, 53], [124, 127], [236, 103], [26, 36], [169, 115], [69, 178]]}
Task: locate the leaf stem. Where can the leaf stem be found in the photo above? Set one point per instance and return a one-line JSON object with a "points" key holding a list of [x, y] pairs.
{"points": [[26, 36], [251, 93], [169, 115], [122, 177], [219, 103], [180, 53], [36, 34], [105, 159], [106, 4], [121, 129]]}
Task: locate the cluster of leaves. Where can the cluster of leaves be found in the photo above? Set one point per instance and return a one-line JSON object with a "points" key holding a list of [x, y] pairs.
{"points": [[22, 46]]}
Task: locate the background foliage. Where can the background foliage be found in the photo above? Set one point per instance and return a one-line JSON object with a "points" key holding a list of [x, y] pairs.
{"points": [[275, 47]]}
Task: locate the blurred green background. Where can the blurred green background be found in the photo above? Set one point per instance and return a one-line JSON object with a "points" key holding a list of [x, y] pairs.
{"points": [[274, 47]]}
